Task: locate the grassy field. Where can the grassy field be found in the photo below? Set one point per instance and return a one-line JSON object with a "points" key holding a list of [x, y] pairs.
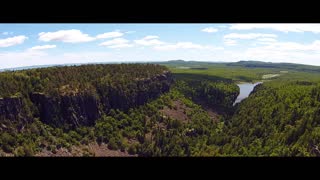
{"points": [[240, 73]]}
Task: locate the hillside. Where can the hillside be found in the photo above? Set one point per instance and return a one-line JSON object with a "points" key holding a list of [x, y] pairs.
{"points": [[153, 110], [278, 119], [284, 66]]}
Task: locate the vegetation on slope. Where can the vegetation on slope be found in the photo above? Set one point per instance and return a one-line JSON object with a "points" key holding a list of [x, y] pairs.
{"points": [[75, 95], [279, 118]]}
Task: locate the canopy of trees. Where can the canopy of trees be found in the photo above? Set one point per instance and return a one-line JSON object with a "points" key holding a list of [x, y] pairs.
{"points": [[280, 118]]}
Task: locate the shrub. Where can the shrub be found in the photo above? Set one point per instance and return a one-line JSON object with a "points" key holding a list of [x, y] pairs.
{"points": [[132, 150], [7, 142], [19, 152], [112, 144]]}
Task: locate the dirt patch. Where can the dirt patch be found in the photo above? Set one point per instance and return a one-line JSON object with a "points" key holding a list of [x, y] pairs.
{"points": [[103, 151], [178, 111], [62, 152], [148, 136], [4, 154], [213, 115], [92, 149], [213, 112]]}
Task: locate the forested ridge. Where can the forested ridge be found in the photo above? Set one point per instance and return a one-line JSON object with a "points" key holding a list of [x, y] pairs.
{"points": [[145, 110], [278, 119]]}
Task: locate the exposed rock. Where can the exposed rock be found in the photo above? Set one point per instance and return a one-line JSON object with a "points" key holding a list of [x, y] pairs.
{"points": [[10, 108], [73, 110], [147, 88], [84, 108]]}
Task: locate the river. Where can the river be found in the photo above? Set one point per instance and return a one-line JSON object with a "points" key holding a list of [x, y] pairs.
{"points": [[245, 90]]}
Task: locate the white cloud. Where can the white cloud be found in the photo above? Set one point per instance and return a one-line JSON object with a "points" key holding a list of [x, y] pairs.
{"points": [[267, 39], [230, 42], [307, 53], [12, 41], [113, 34], [315, 28], [248, 36], [120, 46], [292, 46], [18, 59], [149, 41], [165, 46], [151, 37], [185, 45], [210, 30], [29, 58], [285, 52], [68, 36], [116, 43], [84, 57], [43, 47], [222, 26]]}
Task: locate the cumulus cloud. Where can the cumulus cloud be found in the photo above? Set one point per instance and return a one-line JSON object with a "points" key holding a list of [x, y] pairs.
{"points": [[149, 41], [210, 30], [154, 41], [68, 36], [116, 43], [25, 58], [292, 46], [43, 47], [185, 45], [113, 34], [285, 52], [230, 42], [315, 28], [267, 39], [12, 41], [248, 36]]}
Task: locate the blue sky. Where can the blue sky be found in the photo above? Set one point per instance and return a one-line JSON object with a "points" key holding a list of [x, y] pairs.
{"points": [[39, 44]]}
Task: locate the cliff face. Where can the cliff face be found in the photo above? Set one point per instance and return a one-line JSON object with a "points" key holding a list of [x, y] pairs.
{"points": [[67, 110], [146, 89], [85, 109], [11, 108]]}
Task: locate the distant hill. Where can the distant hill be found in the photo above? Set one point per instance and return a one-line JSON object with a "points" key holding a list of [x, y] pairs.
{"points": [[194, 65], [287, 66], [244, 64]]}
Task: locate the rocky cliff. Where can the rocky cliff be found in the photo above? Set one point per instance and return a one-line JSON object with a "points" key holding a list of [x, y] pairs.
{"points": [[85, 109], [142, 90], [11, 108], [74, 110]]}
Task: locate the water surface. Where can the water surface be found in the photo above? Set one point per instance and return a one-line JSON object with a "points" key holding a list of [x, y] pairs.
{"points": [[245, 90]]}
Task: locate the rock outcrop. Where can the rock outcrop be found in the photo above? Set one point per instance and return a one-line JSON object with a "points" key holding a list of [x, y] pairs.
{"points": [[146, 89], [75, 110], [11, 108], [84, 108]]}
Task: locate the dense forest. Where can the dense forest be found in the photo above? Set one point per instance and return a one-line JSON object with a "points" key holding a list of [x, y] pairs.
{"points": [[78, 95], [153, 110], [278, 119]]}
